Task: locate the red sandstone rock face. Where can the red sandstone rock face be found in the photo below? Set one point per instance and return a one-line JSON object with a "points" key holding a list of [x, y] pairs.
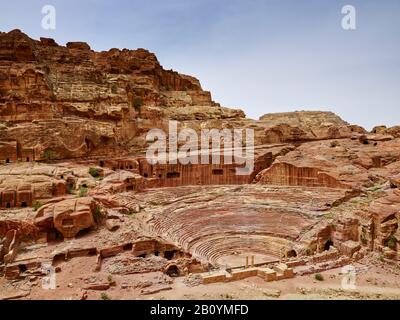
{"points": [[318, 182], [304, 118], [22, 186], [97, 97], [26, 231], [222, 225], [303, 126], [68, 217], [341, 163], [121, 181], [381, 230]]}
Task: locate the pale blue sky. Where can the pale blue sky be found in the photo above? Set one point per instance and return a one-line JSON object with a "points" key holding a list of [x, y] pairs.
{"points": [[260, 56]]}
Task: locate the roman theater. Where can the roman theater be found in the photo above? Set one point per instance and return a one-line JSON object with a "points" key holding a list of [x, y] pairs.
{"points": [[79, 197]]}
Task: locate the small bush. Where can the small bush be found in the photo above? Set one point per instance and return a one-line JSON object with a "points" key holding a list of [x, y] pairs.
{"points": [[36, 205], [363, 238], [376, 188], [93, 172], [319, 277], [49, 154], [391, 242], [227, 296], [83, 191], [105, 296], [69, 189], [328, 215], [97, 214], [334, 144], [110, 278]]}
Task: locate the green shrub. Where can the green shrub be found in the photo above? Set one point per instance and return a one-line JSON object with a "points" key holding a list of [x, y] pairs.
{"points": [[93, 172], [391, 242], [319, 277], [328, 215], [334, 144], [36, 205], [104, 296], [375, 188], [83, 191], [363, 238], [97, 214], [69, 189], [49, 154], [110, 278]]}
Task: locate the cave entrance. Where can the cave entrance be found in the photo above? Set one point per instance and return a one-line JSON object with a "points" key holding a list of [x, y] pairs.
{"points": [[58, 258], [54, 236], [89, 144], [101, 163], [127, 247], [24, 204], [7, 160], [328, 244], [8, 205], [92, 252], [81, 233], [172, 271], [218, 172], [169, 255], [22, 268], [173, 175], [291, 254]]}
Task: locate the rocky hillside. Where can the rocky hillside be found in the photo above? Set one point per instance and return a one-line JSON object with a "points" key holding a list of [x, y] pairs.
{"points": [[105, 100]]}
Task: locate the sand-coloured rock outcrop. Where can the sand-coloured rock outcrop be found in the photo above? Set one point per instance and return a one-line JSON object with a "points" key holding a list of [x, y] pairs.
{"points": [[68, 216]]}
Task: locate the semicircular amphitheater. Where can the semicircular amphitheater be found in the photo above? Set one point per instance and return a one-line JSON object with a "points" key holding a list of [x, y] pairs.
{"points": [[224, 225]]}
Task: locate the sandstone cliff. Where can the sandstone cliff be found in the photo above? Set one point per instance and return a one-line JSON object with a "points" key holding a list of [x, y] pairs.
{"points": [[69, 101]]}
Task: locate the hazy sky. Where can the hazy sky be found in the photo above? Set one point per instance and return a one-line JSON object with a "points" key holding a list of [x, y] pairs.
{"points": [[260, 56]]}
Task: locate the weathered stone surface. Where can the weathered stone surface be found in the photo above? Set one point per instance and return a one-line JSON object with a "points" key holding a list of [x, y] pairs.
{"points": [[106, 100], [224, 225], [304, 118], [68, 216], [380, 225], [323, 193], [22, 186], [341, 163]]}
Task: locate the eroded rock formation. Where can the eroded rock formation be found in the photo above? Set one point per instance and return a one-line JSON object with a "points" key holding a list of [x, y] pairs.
{"points": [[77, 190]]}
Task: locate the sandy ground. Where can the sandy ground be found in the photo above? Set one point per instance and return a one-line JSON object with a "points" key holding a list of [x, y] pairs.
{"points": [[375, 282]]}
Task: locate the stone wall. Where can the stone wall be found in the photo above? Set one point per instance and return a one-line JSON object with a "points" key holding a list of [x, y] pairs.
{"points": [[291, 175]]}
